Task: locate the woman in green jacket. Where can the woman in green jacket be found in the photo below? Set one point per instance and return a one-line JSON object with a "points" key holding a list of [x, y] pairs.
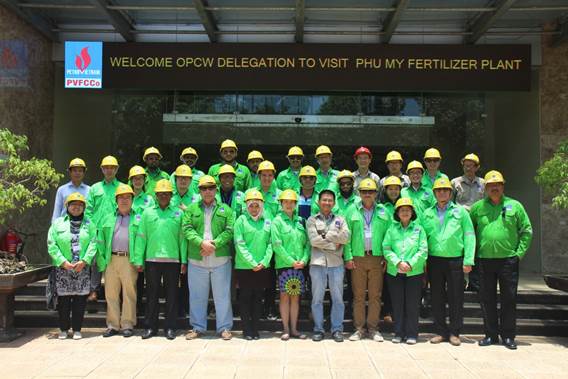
{"points": [[141, 201], [252, 260], [71, 243], [292, 251], [405, 248]]}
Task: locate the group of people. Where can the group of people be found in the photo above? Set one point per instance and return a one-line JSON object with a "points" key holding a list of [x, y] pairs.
{"points": [[244, 233]]}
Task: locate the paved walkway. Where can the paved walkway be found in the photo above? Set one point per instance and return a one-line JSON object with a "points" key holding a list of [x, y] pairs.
{"points": [[40, 354]]}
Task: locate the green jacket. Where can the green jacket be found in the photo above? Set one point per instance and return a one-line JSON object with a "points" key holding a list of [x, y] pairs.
{"points": [[405, 245], [152, 178], [429, 183], [288, 179], [454, 238], [221, 228], [271, 203], [106, 232], [193, 187], [101, 200], [252, 242], [237, 202], [289, 241], [342, 204], [242, 181], [328, 181], [390, 209], [423, 198], [59, 241], [184, 201], [141, 202], [254, 180], [355, 217], [160, 236], [503, 230]]}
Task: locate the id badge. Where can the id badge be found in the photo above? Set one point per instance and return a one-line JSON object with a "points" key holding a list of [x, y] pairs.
{"points": [[368, 234]]}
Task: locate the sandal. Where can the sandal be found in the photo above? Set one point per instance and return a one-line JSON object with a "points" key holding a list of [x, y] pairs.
{"points": [[285, 337], [299, 336]]}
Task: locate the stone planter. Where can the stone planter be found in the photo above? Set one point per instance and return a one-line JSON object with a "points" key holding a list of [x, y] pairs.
{"points": [[9, 283]]}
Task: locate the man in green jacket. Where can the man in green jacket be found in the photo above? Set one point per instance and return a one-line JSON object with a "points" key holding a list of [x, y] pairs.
{"points": [[162, 250], [253, 160], [432, 159], [117, 234], [346, 194], [269, 189], [289, 178], [421, 195], [228, 152], [368, 221], [451, 249], [183, 197], [152, 158], [326, 175], [208, 228], [189, 157], [101, 202], [504, 234], [228, 193]]}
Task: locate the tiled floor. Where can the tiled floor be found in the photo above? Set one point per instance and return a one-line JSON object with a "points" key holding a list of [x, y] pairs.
{"points": [[38, 354]]}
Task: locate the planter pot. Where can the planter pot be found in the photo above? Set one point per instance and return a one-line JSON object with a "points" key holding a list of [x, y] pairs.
{"points": [[9, 283]]}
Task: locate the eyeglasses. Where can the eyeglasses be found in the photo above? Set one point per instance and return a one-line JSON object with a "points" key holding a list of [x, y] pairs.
{"points": [[295, 158], [212, 188], [345, 184], [429, 160], [366, 192]]}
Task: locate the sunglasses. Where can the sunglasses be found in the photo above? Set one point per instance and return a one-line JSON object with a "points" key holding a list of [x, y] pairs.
{"points": [[208, 188]]}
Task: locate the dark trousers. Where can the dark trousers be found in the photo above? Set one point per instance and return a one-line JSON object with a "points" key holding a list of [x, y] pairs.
{"points": [[446, 284], [183, 296], [250, 301], [71, 305], [156, 272], [386, 309], [140, 291], [504, 271], [473, 276], [270, 294], [405, 294]]}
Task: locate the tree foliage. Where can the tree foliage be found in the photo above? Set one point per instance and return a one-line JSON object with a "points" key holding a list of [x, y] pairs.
{"points": [[23, 182], [552, 176]]}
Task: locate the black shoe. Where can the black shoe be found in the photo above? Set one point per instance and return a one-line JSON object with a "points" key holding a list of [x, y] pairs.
{"points": [[318, 336], [488, 341], [509, 343], [249, 337], [170, 334], [127, 333], [337, 336], [148, 333], [110, 332], [472, 288]]}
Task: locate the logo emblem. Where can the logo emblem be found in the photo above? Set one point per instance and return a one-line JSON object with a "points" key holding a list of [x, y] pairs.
{"points": [[83, 64]]}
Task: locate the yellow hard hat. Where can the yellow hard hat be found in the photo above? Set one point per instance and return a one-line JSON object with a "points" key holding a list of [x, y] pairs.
{"points": [[295, 150], [227, 169], [494, 176], [151, 150], [471, 157], [432, 153], [393, 156], [183, 170], [123, 189], [367, 185], [392, 181], [255, 154], [442, 183], [253, 194], [75, 196], [163, 185], [109, 160], [228, 143], [345, 174], [136, 170], [77, 162], [189, 151], [414, 164], [206, 181], [403, 201], [323, 150], [288, 195], [266, 166], [308, 171]]}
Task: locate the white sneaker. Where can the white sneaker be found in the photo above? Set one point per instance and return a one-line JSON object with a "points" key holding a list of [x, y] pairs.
{"points": [[63, 334], [396, 339], [77, 335], [411, 341], [356, 336], [378, 337]]}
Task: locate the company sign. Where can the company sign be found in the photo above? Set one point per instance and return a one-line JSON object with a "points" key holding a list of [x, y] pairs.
{"points": [[83, 64]]}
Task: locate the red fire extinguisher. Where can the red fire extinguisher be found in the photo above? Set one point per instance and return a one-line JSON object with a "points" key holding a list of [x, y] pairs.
{"points": [[10, 242]]}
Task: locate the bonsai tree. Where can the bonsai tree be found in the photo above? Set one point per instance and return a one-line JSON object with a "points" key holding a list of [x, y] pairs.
{"points": [[23, 182], [553, 176]]}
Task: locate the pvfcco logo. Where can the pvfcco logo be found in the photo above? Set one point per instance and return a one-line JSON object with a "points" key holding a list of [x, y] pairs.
{"points": [[83, 64]]}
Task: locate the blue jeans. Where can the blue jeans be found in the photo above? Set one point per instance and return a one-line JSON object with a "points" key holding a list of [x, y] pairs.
{"points": [[321, 276], [198, 279]]}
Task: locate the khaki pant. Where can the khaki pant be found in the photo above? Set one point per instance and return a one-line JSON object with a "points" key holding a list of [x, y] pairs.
{"points": [[367, 276], [120, 277]]}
